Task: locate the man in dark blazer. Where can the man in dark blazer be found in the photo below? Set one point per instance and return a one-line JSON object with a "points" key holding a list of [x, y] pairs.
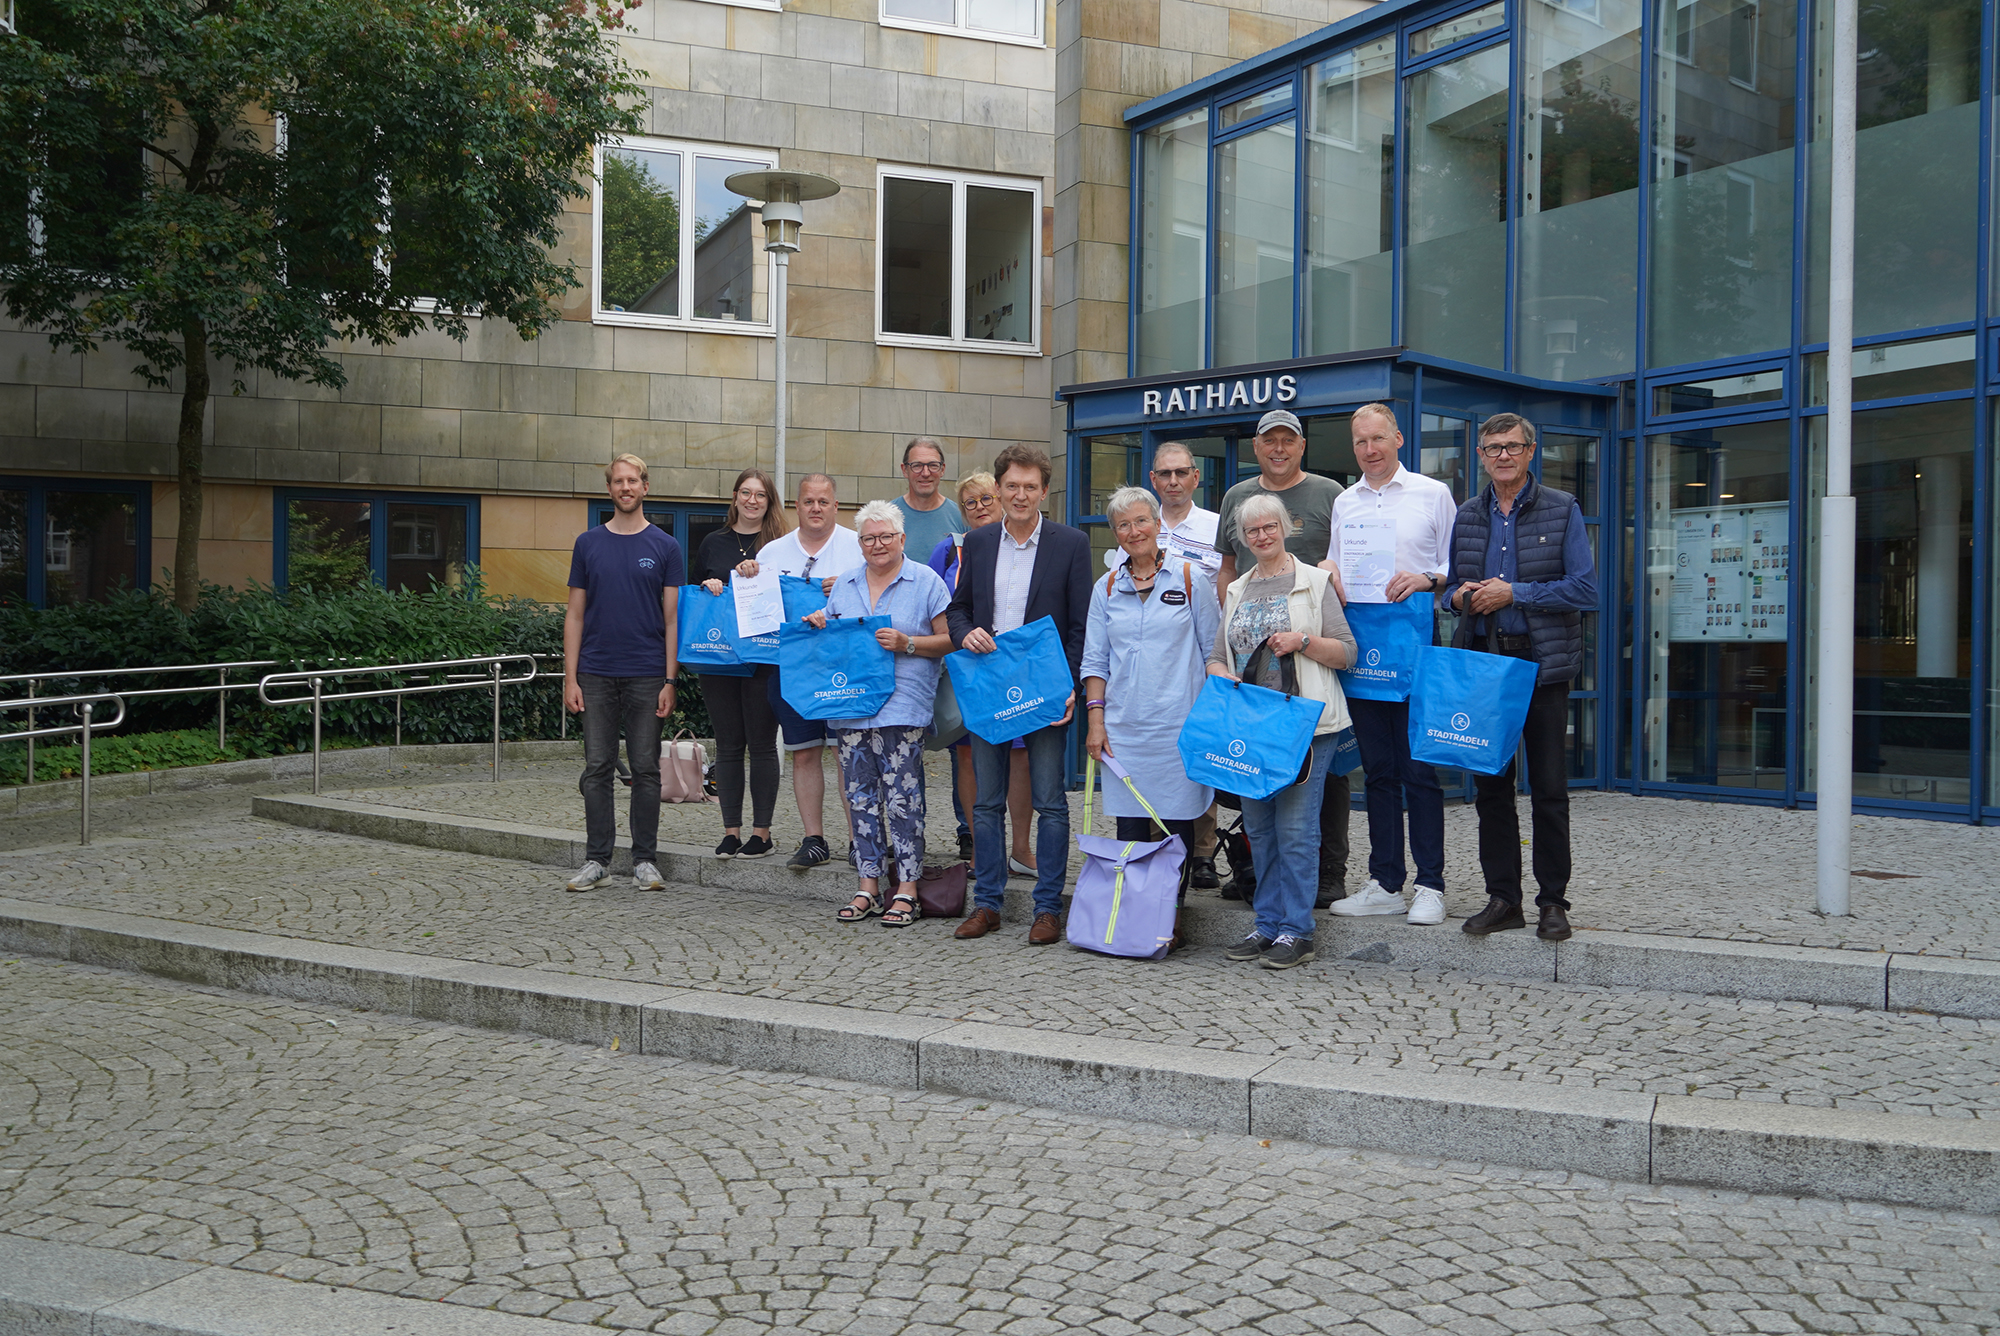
{"points": [[1013, 573]]}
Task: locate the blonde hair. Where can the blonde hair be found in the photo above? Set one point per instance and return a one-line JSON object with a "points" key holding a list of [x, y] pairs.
{"points": [[982, 480], [1383, 411], [633, 460]]}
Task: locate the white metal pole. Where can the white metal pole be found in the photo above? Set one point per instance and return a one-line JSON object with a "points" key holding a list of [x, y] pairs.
{"points": [[1837, 518], [778, 319]]}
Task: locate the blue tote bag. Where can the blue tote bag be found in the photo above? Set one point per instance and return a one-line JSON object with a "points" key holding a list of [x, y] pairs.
{"points": [[836, 673], [801, 597], [1467, 708], [1020, 687], [1127, 891], [1248, 740], [708, 633], [1387, 637]]}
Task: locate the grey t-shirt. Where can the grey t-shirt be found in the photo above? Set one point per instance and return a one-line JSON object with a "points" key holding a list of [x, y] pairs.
{"points": [[1310, 501], [1261, 612]]}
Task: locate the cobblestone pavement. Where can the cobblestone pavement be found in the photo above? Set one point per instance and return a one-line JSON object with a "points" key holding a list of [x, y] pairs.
{"points": [[1653, 865], [570, 1182], [232, 871]]}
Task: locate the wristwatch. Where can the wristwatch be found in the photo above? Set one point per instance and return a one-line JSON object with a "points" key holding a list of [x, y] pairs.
{"points": [[910, 645], [1304, 642], [1437, 578]]}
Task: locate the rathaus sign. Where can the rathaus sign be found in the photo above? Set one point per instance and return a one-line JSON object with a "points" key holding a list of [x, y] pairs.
{"points": [[1220, 394]]}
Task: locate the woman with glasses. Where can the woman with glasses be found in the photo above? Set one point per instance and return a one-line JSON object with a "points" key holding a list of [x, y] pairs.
{"points": [[740, 707], [979, 498], [1291, 607], [1152, 622], [882, 756]]}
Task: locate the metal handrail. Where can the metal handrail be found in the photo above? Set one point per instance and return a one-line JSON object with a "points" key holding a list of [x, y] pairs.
{"points": [[222, 688], [87, 723], [315, 678]]}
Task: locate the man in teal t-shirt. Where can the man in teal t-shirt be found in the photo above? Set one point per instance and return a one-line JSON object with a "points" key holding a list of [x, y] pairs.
{"points": [[929, 517]]}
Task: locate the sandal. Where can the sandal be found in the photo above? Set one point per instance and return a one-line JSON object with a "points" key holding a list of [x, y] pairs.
{"points": [[865, 905], [902, 918]]}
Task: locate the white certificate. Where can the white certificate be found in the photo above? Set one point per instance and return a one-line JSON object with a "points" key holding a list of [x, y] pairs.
{"points": [[1367, 559], [760, 607]]}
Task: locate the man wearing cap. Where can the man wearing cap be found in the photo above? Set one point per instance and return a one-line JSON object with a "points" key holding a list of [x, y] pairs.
{"points": [[1308, 498]]}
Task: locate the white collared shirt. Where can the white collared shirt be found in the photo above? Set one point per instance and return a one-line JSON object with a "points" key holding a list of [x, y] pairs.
{"points": [[1421, 508], [840, 553], [1013, 572], [1193, 539]]}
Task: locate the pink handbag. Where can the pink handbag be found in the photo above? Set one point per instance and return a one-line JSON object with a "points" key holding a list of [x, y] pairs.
{"points": [[682, 761]]}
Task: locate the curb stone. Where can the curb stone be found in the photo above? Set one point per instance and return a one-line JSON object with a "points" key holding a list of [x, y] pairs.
{"points": [[1866, 980], [1937, 1162]]}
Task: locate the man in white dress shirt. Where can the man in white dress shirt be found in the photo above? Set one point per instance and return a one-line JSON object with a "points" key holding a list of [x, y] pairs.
{"points": [[819, 549], [1187, 532], [1423, 512]]}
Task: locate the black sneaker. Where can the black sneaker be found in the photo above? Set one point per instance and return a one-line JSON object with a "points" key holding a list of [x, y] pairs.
{"points": [[812, 852], [755, 847], [1288, 951], [1203, 877], [729, 847], [1249, 948], [965, 848]]}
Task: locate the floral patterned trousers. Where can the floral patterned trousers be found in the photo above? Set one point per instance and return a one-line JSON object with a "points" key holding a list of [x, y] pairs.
{"points": [[883, 770]]}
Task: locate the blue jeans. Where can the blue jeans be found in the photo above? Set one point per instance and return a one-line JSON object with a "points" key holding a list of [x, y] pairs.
{"points": [[990, 769], [1382, 728], [1284, 844]]}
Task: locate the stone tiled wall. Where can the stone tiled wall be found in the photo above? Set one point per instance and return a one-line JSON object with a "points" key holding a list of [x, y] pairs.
{"points": [[823, 84]]}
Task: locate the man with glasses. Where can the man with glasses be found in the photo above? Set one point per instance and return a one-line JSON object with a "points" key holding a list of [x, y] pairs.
{"points": [[819, 549], [1522, 576], [1308, 498], [1187, 532], [929, 516]]}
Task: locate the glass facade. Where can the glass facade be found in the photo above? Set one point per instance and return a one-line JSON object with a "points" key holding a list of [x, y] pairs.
{"points": [[1632, 193]]}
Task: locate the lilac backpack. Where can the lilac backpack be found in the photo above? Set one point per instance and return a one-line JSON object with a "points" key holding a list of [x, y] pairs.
{"points": [[1127, 891]]}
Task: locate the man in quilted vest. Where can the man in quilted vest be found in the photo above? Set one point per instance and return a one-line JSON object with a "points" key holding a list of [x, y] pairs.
{"points": [[1522, 577]]}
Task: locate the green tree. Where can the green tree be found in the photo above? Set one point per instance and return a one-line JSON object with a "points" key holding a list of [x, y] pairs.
{"points": [[223, 186], [642, 229]]}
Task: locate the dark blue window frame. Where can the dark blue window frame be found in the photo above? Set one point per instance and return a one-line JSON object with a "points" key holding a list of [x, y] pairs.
{"points": [[378, 524], [676, 513], [37, 489]]}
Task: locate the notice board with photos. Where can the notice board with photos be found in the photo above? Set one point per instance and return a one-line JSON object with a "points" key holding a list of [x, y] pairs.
{"points": [[1732, 573]]}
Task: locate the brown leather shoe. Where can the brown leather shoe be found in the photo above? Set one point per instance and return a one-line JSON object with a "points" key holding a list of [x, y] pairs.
{"points": [[1045, 932], [977, 924]]}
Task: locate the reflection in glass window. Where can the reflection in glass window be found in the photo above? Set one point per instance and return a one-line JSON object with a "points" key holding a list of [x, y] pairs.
{"points": [[1719, 392], [1253, 246], [90, 545], [1721, 240], [1578, 236], [921, 11], [1569, 464], [326, 544], [1455, 262], [999, 264], [1445, 454], [1350, 193], [641, 249], [1441, 35], [1010, 18], [916, 257], [1266, 103], [1912, 601], [1173, 244], [1114, 463], [1720, 602], [728, 244], [426, 546], [1894, 370], [13, 545], [1916, 159]]}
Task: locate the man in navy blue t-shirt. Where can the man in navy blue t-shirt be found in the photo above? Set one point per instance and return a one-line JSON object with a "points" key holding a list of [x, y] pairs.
{"points": [[625, 578]]}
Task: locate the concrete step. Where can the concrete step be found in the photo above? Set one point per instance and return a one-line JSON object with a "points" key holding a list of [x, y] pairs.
{"points": [[1950, 1163], [1944, 986]]}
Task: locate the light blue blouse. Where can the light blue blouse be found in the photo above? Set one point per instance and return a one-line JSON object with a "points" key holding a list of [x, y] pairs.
{"points": [[914, 597]]}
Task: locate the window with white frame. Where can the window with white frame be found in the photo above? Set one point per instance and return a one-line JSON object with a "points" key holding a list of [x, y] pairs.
{"points": [[675, 245], [1018, 21], [959, 261]]}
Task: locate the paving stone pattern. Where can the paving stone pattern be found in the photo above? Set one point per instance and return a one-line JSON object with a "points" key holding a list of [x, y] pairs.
{"points": [[569, 1182], [229, 870]]}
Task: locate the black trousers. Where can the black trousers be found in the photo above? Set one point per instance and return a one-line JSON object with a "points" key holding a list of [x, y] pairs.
{"points": [[1142, 828], [1545, 743], [740, 709], [1334, 816]]}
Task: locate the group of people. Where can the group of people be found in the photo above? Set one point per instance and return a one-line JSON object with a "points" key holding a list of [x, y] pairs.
{"points": [[1253, 592]]}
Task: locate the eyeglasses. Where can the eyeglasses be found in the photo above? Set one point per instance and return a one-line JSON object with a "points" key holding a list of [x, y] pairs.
{"points": [[750, 493], [925, 468], [1273, 529], [878, 539], [983, 500], [1505, 448], [1134, 526], [1174, 474]]}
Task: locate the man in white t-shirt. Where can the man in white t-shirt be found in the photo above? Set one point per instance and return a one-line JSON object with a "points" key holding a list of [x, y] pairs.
{"points": [[1422, 512], [820, 549], [1187, 532]]}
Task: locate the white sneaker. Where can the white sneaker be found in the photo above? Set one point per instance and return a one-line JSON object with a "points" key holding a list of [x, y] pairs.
{"points": [[1370, 899], [587, 876], [647, 877], [1426, 905]]}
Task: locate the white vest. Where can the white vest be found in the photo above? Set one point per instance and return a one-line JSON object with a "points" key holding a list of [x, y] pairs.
{"points": [[1316, 680]]}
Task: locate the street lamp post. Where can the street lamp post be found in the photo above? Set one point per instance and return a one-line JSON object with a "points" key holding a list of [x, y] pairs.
{"points": [[1835, 815], [782, 193]]}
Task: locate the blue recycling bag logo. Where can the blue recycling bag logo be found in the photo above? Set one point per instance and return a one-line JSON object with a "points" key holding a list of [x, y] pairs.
{"points": [[1236, 747], [1461, 721], [840, 679], [1374, 658]]}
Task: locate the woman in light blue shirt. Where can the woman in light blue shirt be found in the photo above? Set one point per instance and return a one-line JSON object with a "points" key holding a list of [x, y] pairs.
{"points": [[882, 756], [1152, 622]]}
